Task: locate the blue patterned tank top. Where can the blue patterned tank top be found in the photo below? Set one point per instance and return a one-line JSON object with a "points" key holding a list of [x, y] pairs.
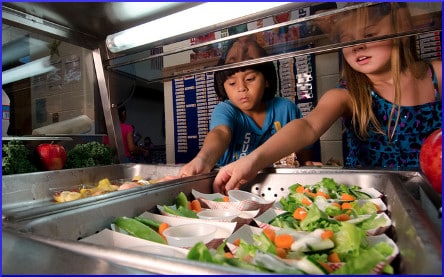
{"points": [[402, 152]]}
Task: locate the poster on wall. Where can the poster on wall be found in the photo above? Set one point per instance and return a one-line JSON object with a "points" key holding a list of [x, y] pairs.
{"points": [[428, 45], [194, 99]]}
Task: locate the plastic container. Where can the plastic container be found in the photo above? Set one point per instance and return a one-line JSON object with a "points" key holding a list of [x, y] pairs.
{"points": [[226, 215], [187, 235], [241, 195]]}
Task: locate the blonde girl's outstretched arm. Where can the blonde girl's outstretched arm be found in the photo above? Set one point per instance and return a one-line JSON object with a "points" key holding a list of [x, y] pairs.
{"points": [[294, 136]]}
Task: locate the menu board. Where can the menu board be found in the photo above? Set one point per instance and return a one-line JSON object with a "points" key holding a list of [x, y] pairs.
{"points": [[194, 99], [428, 45], [296, 81]]}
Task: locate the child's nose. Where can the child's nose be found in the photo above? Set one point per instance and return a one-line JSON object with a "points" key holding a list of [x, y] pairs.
{"points": [[241, 87], [358, 47]]}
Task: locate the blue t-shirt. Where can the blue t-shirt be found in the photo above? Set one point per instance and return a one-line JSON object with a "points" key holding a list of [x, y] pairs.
{"points": [[245, 134]]}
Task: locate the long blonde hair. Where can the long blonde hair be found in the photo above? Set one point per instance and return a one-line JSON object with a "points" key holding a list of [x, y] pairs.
{"points": [[403, 58]]}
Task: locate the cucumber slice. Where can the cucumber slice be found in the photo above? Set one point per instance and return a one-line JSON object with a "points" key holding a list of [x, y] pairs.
{"points": [[309, 244], [309, 266], [319, 245]]}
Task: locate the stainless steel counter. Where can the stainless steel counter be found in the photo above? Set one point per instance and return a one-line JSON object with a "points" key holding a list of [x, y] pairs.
{"points": [[53, 230]]}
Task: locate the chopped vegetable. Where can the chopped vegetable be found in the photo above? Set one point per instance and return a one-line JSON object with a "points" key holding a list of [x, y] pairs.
{"points": [[195, 206], [236, 242], [181, 211], [300, 214], [327, 234], [137, 229], [181, 200], [347, 197], [270, 233], [88, 154], [149, 222], [284, 241], [333, 257], [346, 206], [342, 217], [162, 227], [16, 158]]}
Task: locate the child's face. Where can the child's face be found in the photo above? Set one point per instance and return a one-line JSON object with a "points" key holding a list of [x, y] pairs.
{"points": [[372, 57], [245, 89]]}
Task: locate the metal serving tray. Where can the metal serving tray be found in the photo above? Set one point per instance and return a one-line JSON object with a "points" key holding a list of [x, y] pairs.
{"points": [[28, 195], [57, 233]]}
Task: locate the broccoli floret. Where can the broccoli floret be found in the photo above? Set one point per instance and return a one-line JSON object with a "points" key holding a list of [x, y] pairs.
{"points": [[16, 158], [88, 154]]}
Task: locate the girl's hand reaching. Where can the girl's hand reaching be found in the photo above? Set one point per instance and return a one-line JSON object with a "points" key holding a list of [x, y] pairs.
{"points": [[234, 175], [196, 166]]}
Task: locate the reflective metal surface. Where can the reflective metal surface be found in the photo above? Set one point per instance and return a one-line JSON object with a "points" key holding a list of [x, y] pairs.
{"points": [[57, 233]]}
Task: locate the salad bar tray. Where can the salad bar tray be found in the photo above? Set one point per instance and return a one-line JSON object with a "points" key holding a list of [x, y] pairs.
{"points": [[64, 233], [25, 196]]}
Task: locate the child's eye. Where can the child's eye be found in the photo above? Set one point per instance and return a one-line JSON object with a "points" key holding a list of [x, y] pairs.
{"points": [[369, 35], [250, 78]]}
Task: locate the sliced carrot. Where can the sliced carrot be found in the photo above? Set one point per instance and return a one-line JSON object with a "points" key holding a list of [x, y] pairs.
{"points": [[347, 197], [284, 241], [195, 206], [300, 189], [323, 194], [300, 213], [342, 217], [281, 252], [162, 228], [228, 255], [377, 207], [333, 257], [325, 266], [236, 242], [225, 199], [336, 204], [311, 194], [306, 201], [346, 206], [327, 234], [270, 233]]}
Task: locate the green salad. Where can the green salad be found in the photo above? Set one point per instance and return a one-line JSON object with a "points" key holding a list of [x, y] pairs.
{"points": [[308, 253]]}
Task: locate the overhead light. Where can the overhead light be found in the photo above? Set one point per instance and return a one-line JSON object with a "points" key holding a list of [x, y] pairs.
{"points": [[28, 70], [189, 20]]}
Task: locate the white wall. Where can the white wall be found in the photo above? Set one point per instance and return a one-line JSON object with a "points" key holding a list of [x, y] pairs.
{"points": [[327, 76]]}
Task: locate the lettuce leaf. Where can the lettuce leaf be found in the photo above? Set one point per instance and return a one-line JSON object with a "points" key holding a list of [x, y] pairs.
{"points": [[348, 240], [364, 263]]}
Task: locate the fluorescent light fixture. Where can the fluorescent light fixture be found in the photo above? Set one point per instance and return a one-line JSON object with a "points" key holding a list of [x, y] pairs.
{"points": [[189, 20], [28, 70]]}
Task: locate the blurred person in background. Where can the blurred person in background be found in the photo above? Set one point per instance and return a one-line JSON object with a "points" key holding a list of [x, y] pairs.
{"points": [[132, 151]]}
